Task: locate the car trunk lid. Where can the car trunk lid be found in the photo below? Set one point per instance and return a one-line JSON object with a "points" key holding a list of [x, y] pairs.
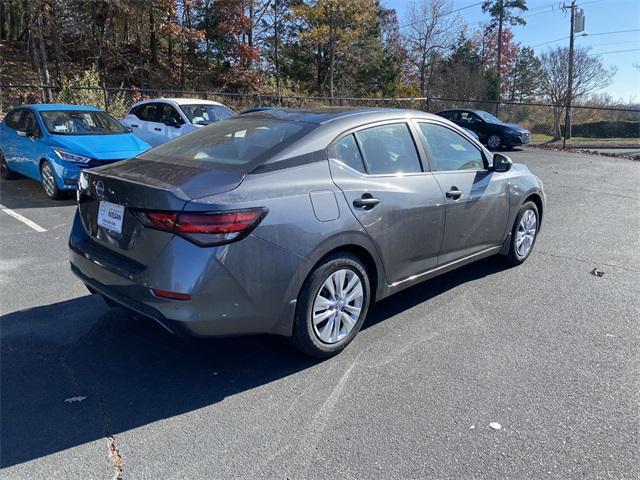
{"points": [[140, 184]]}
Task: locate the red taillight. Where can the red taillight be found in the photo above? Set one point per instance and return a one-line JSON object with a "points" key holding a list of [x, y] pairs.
{"points": [[205, 228], [170, 295], [218, 223], [160, 220]]}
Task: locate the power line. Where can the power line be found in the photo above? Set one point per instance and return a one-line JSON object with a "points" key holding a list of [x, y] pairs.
{"points": [[586, 35], [443, 15], [610, 33], [618, 51]]}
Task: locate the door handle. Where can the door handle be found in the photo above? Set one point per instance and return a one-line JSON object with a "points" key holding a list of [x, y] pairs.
{"points": [[366, 201], [454, 192], [134, 125], [157, 129]]}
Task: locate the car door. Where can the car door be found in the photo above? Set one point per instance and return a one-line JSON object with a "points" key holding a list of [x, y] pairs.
{"points": [[134, 120], [397, 203], [29, 145], [138, 120], [477, 198], [10, 137]]}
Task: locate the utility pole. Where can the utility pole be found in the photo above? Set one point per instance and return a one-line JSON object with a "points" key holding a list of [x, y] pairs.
{"points": [[499, 80], [567, 118]]}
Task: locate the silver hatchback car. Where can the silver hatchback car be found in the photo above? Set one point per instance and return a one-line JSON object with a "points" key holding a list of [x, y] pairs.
{"points": [[293, 222]]}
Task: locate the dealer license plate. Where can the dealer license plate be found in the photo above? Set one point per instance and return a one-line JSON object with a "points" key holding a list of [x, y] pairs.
{"points": [[110, 216]]}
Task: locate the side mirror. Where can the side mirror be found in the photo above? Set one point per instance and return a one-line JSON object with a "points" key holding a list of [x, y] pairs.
{"points": [[172, 123], [25, 133], [501, 163]]}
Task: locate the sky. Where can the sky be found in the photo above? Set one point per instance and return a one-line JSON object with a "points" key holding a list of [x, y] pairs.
{"points": [[547, 24]]}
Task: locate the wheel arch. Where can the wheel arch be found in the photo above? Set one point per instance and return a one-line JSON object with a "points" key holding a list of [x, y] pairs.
{"points": [[537, 199]]}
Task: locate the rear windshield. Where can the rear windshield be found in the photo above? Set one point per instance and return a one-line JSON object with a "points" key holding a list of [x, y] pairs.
{"points": [[203, 114], [239, 143], [80, 122]]}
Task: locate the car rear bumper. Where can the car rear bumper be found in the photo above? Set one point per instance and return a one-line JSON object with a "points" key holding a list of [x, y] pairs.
{"points": [[243, 288]]}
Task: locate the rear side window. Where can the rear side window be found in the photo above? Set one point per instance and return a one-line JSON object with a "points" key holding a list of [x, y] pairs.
{"points": [[346, 150], [449, 115], [450, 150], [389, 149], [146, 112], [13, 119], [239, 143]]}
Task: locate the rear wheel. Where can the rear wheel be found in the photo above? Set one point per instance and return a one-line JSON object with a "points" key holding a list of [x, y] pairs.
{"points": [[332, 306], [524, 233], [48, 180], [5, 172]]}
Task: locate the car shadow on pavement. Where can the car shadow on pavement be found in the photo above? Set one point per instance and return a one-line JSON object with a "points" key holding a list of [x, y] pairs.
{"points": [[76, 371], [26, 193]]}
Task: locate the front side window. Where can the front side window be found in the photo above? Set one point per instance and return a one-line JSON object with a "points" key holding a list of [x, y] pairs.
{"points": [[346, 150], [468, 117], [80, 122], [389, 149], [233, 143], [168, 114], [487, 117], [450, 150], [29, 124], [203, 114]]}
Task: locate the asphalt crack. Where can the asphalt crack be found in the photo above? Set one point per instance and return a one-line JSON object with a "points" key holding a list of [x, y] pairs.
{"points": [[114, 454], [592, 262], [116, 458]]}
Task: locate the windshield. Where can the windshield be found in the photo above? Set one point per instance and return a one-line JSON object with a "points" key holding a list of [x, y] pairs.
{"points": [[80, 122], [202, 114], [487, 117], [236, 143]]}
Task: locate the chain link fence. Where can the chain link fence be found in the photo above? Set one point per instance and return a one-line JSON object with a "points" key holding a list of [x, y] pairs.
{"points": [[590, 124]]}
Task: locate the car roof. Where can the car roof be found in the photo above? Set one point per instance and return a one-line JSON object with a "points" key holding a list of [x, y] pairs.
{"points": [[45, 107], [181, 101], [462, 110], [326, 115]]}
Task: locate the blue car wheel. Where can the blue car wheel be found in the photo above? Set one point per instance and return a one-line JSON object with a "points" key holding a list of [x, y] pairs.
{"points": [[48, 180]]}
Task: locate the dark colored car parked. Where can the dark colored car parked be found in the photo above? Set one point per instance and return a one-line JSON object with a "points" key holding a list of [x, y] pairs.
{"points": [[492, 132]]}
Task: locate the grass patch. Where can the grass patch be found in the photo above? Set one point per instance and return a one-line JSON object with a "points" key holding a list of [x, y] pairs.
{"points": [[543, 138]]}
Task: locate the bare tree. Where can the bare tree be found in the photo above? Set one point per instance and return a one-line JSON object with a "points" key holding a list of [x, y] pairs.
{"points": [[431, 28], [589, 75]]}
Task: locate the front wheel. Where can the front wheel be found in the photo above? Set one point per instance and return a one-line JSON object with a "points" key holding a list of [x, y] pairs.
{"points": [[524, 233], [332, 306], [48, 180], [494, 142]]}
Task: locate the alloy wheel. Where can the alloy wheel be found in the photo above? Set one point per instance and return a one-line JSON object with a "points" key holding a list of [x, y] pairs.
{"points": [[494, 141], [337, 306], [526, 233], [48, 180]]}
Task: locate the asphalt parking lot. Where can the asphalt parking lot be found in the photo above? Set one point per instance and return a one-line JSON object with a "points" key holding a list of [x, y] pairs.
{"points": [[547, 350]]}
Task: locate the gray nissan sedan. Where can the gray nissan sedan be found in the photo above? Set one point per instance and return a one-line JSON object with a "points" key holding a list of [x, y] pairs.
{"points": [[293, 222]]}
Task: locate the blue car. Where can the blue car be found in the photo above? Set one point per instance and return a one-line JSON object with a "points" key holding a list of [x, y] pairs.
{"points": [[54, 143]]}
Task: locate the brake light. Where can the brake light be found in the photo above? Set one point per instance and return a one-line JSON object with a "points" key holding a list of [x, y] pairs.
{"points": [[170, 295], [205, 228]]}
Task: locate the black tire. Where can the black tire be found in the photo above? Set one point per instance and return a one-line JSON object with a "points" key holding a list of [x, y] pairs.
{"points": [[495, 142], [304, 337], [52, 190], [5, 172], [512, 256]]}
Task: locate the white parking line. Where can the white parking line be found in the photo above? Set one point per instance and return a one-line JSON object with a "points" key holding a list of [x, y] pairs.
{"points": [[24, 220]]}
